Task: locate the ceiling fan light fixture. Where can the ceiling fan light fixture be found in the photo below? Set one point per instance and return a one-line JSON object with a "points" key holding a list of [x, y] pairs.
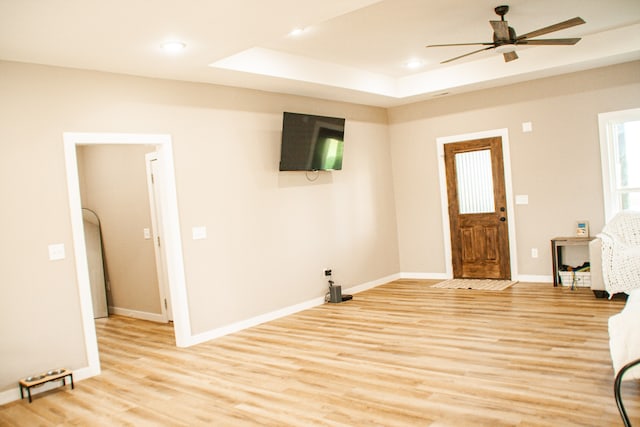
{"points": [[506, 48]]}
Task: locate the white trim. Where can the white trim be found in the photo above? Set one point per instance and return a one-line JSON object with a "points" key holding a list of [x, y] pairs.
{"points": [[80, 253], [444, 203], [277, 314], [528, 278], [533, 278], [425, 276], [254, 321], [605, 120], [605, 155], [143, 315], [173, 247], [370, 285]]}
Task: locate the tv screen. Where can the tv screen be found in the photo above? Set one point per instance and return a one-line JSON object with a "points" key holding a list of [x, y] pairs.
{"points": [[311, 143]]}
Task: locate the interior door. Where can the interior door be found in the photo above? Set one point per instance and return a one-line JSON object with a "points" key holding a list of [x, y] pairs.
{"points": [[153, 177], [477, 209]]}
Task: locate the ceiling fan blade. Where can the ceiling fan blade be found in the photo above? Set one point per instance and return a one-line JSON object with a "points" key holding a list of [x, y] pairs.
{"points": [[500, 30], [461, 44], [550, 42], [467, 54], [551, 28], [510, 56]]}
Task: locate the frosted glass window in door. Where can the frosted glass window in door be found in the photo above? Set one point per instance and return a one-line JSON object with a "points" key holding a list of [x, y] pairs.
{"points": [[474, 177]]}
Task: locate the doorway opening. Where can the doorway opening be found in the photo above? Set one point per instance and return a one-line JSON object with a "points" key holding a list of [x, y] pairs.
{"points": [[472, 156], [172, 249], [116, 186]]}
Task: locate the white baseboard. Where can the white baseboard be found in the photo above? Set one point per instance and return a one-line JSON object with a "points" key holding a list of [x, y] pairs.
{"points": [[254, 321], [370, 285], [83, 373], [424, 276], [532, 278], [14, 394], [143, 315]]}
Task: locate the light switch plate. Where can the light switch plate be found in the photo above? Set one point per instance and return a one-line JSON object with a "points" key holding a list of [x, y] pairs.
{"points": [[147, 233], [527, 127], [199, 233], [56, 252]]}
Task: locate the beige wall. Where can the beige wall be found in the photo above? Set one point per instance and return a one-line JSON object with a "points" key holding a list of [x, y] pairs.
{"points": [[270, 234], [557, 165], [113, 184]]}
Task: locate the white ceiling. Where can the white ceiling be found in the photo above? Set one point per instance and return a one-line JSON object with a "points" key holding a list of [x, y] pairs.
{"points": [[351, 50]]}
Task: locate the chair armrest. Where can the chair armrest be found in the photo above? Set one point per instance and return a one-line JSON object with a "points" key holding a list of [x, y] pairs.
{"points": [[595, 260]]}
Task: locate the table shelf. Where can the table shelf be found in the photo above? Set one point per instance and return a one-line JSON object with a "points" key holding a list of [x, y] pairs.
{"points": [[557, 243], [38, 380]]}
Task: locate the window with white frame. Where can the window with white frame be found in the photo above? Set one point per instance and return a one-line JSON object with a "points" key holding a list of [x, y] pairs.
{"points": [[620, 151]]}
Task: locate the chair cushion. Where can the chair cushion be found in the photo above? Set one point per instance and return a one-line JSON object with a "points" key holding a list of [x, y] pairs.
{"points": [[624, 336]]}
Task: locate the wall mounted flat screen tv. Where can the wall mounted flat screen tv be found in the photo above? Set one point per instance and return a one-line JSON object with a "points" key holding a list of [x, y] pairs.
{"points": [[311, 143]]}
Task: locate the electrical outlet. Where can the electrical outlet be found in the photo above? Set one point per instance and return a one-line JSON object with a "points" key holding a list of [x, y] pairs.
{"points": [[534, 252], [327, 272]]}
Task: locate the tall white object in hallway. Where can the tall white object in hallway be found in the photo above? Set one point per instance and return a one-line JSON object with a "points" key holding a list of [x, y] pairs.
{"points": [[95, 262]]}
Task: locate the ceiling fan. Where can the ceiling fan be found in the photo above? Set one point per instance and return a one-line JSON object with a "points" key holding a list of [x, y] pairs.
{"points": [[505, 39]]}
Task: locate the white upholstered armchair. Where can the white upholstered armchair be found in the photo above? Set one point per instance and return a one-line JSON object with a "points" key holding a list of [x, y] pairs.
{"points": [[621, 252], [617, 246]]}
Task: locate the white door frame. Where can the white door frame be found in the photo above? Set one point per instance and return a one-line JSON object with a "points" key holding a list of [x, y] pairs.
{"points": [[153, 187], [444, 201], [171, 231]]}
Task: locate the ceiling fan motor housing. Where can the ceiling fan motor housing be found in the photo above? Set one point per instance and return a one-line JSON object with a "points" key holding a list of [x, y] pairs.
{"points": [[511, 40]]}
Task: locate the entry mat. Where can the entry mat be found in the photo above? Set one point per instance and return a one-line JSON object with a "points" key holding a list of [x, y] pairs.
{"points": [[481, 284]]}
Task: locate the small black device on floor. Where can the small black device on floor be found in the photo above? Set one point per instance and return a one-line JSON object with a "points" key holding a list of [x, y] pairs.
{"points": [[335, 291]]}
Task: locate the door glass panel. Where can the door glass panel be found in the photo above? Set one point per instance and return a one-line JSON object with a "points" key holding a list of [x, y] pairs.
{"points": [[475, 182]]}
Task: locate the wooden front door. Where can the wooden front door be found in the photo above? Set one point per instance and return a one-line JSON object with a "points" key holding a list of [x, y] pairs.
{"points": [[477, 209]]}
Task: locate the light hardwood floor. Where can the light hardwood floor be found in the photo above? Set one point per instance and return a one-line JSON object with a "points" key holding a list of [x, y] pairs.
{"points": [[402, 354]]}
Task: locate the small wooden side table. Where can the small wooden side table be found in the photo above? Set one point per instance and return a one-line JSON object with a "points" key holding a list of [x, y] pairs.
{"points": [[36, 380], [556, 252]]}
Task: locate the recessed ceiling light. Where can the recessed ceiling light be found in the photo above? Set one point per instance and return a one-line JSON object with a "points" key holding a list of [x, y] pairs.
{"points": [[296, 32], [413, 64], [173, 46]]}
